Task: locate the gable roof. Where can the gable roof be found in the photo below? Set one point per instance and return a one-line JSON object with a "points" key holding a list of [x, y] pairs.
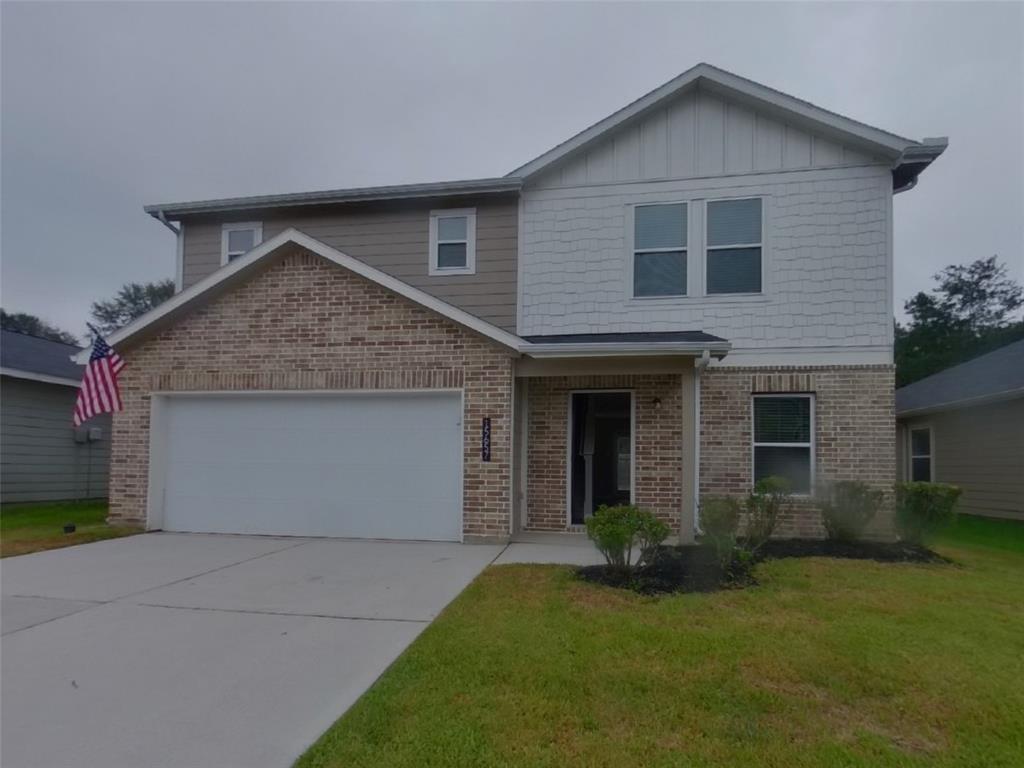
{"points": [[241, 268], [38, 359], [997, 375], [883, 142]]}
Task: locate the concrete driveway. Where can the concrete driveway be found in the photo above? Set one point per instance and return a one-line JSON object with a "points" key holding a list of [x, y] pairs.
{"points": [[203, 650]]}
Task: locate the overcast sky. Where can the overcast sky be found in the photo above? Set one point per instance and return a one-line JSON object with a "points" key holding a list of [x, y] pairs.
{"points": [[107, 107]]}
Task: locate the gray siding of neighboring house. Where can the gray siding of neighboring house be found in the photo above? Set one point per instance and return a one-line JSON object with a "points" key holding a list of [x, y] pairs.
{"points": [[394, 238], [39, 458], [980, 449]]}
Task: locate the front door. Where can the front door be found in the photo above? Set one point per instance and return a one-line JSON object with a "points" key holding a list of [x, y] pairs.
{"points": [[601, 434]]}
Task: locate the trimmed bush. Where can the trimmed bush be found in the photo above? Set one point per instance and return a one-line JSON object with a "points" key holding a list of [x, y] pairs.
{"points": [[847, 507], [719, 520], [615, 531], [764, 507], [924, 508]]}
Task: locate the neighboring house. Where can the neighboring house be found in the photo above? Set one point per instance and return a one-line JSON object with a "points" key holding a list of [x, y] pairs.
{"points": [[43, 457], [965, 426], [692, 293]]}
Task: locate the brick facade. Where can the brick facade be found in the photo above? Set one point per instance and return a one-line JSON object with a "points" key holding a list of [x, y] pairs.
{"points": [[659, 444], [306, 324], [855, 436]]}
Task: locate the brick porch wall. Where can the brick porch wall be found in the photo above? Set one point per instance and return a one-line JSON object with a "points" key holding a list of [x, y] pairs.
{"points": [[305, 323], [854, 422], [658, 441]]}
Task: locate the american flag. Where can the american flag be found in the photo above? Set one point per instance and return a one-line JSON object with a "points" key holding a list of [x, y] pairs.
{"points": [[99, 392]]}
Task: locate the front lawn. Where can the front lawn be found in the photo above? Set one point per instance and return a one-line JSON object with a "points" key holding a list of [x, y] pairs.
{"points": [[28, 528], [825, 663]]}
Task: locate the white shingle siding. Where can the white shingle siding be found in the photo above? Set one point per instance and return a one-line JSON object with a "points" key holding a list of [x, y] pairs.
{"points": [[827, 261]]}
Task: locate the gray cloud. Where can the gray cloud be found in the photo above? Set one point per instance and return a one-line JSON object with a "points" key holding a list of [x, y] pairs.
{"points": [[106, 107]]}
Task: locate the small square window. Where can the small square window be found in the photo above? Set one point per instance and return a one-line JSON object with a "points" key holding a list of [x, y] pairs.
{"points": [[452, 242], [238, 239], [659, 250], [734, 247]]}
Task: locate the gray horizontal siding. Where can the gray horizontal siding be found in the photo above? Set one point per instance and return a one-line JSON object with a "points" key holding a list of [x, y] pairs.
{"points": [[39, 458], [981, 450], [393, 238]]}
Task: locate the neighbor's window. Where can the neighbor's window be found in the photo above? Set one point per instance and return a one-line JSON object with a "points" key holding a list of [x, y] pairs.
{"points": [[659, 250], [783, 439], [921, 454], [238, 239], [734, 246], [453, 242]]}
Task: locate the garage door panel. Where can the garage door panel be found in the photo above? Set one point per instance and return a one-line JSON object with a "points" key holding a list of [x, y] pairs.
{"points": [[377, 466]]}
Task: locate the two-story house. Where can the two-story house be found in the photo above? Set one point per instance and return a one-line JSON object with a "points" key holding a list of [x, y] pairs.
{"points": [[693, 293]]}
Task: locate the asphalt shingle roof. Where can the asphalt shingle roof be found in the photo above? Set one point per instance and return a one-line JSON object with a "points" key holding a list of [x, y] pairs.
{"points": [[22, 352], [1000, 371]]}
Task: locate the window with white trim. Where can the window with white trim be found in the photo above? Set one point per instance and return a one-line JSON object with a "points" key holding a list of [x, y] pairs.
{"points": [[659, 249], [734, 246], [921, 454], [453, 242], [238, 239], [784, 439]]}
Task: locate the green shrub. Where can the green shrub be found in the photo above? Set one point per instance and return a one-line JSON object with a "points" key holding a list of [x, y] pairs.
{"points": [[764, 507], [719, 520], [847, 507], [615, 531], [924, 508]]}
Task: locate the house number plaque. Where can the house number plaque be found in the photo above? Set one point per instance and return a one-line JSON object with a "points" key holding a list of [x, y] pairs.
{"points": [[485, 439]]}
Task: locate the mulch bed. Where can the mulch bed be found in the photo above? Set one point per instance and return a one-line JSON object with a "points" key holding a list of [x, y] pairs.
{"points": [[696, 569]]}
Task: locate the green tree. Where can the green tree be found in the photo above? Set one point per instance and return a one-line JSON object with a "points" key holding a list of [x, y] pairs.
{"points": [[131, 301], [22, 322], [971, 311]]}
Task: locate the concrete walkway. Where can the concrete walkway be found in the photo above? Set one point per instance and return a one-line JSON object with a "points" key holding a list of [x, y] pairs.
{"points": [[180, 650]]}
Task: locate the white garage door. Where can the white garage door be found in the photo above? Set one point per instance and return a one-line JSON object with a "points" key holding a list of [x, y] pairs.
{"points": [[374, 465]]}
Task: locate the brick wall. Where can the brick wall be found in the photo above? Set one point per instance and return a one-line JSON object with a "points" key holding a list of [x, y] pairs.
{"points": [[854, 424], [658, 443], [304, 323]]}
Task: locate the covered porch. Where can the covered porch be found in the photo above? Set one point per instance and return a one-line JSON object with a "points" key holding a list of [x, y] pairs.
{"points": [[607, 419]]}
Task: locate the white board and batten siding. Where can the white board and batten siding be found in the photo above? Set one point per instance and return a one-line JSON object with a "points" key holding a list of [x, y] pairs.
{"points": [[380, 465], [827, 252]]}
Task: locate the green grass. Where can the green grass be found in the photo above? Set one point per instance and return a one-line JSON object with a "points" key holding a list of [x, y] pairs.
{"points": [[826, 663], [26, 528]]}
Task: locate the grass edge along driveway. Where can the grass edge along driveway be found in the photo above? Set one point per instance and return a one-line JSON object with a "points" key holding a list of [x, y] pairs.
{"points": [[26, 528], [826, 663]]}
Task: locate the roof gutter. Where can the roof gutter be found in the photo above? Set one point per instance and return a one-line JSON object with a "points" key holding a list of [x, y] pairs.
{"points": [[630, 349], [913, 160]]}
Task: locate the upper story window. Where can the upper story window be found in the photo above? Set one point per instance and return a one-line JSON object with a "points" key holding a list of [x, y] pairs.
{"points": [[453, 242], [238, 239], [659, 250], [921, 454], [734, 243], [784, 439]]}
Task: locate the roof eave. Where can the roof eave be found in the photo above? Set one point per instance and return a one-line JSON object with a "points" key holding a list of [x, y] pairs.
{"points": [[965, 402], [635, 349], [913, 160], [506, 184]]}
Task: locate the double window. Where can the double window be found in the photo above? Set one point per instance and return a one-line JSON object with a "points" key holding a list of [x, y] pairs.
{"points": [[730, 241], [238, 239], [784, 439], [453, 242], [921, 454]]}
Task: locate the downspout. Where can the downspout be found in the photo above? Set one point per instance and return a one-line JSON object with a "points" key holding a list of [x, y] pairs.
{"points": [[699, 364], [179, 233]]}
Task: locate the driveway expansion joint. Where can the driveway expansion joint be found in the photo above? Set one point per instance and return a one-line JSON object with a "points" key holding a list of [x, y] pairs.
{"points": [[284, 613]]}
